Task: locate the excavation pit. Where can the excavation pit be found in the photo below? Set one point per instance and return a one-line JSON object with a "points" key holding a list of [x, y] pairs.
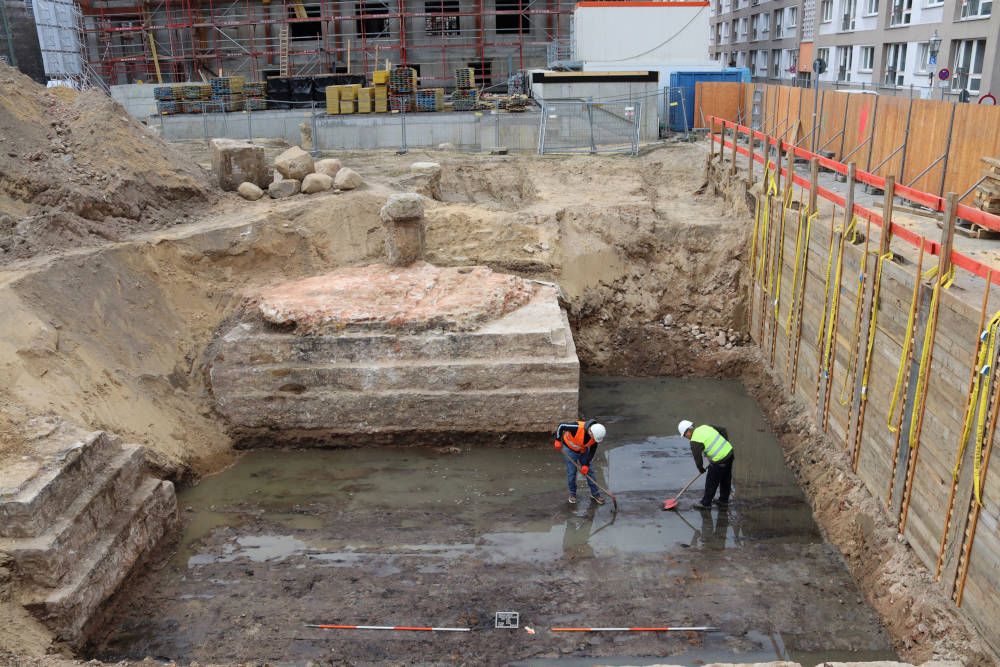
{"points": [[449, 536]]}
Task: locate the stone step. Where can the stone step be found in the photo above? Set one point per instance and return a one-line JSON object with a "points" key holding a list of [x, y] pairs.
{"points": [[45, 491], [150, 511], [245, 345], [46, 559], [536, 409], [408, 374]]}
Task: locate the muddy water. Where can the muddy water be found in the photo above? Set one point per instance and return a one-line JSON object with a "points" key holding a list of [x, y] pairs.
{"points": [[448, 537]]}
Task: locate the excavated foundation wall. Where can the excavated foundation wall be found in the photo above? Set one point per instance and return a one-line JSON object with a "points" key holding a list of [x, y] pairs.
{"points": [[912, 484]]}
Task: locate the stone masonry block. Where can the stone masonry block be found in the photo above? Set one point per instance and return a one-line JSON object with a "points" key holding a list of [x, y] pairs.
{"points": [[234, 162]]}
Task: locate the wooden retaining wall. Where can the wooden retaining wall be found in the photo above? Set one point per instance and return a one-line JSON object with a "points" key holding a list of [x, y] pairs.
{"points": [[915, 483]]}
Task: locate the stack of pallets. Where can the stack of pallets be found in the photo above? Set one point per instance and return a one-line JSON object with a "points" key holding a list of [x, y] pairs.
{"points": [[227, 91], [401, 103], [465, 78], [402, 84], [430, 99], [988, 192], [464, 100], [464, 97], [255, 95]]}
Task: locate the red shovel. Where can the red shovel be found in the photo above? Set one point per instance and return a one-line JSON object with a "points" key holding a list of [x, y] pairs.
{"points": [[672, 503]]}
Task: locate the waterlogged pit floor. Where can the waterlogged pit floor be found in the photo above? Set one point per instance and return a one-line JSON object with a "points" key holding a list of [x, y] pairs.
{"points": [[444, 537]]}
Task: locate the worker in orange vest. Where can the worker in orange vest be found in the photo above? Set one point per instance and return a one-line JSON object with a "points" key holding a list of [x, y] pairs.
{"points": [[580, 439]]}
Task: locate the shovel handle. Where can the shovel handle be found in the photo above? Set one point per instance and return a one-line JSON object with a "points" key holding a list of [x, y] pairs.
{"points": [[687, 485]]}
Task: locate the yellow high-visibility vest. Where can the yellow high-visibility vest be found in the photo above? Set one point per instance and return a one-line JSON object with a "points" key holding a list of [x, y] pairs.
{"points": [[716, 447]]}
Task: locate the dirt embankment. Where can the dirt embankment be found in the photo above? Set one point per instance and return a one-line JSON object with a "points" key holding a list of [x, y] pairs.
{"points": [[76, 169]]}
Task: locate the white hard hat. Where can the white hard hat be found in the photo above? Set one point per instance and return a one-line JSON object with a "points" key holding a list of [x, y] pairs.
{"points": [[684, 426], [598, 431]]}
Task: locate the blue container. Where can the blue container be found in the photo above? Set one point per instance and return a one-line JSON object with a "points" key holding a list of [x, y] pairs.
{"points": [[686, 81]]}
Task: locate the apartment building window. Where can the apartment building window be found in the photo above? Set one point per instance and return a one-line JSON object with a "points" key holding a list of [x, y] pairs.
{"points": [[765, 24], [826, 10], [717, 33], [845, 61], [867, 58], [725, 32], [969, 65], [754, 3], [895, 63], [871, 7], [441, 25], [512, 24], [824, 55], [755, 27], [901, 12], [776, 63], [934, 3], [850, 9], [793, 16], [976, 9], [743, 29], [923, 57], [777, 23]]}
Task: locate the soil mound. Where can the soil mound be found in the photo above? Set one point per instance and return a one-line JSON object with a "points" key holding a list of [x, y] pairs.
{"points": [[76, 168]]}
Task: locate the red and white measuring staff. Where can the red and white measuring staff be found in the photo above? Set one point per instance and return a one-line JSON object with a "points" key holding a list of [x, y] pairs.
{"points": [[700, 628], [385, 627]]}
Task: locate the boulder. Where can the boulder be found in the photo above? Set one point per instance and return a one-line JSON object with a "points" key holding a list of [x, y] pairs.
{"points": [[409, 206], [286, 187], [347, 179], [250, 191], [314, 183], [235, 161], [294, 163], [329, 166], [425, 168]]}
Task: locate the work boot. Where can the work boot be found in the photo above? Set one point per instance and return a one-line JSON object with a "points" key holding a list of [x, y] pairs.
{"points": [[597, 499], [699, 506], [572, 500]]}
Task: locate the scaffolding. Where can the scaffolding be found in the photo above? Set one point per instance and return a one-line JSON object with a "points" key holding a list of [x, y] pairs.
{"points": [[173, 41]]}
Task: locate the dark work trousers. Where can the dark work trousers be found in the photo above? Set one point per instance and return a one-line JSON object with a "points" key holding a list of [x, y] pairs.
{"points": [[720, 476]]}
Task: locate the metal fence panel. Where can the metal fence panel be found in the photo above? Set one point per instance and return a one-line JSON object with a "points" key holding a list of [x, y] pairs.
{"points": [[590, 127]]}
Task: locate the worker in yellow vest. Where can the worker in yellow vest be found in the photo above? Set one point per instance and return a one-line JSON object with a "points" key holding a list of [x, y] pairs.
{"points": [[712, 442]]}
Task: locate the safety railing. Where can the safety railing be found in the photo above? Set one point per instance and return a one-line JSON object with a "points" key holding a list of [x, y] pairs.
{"points": [[933, 202]]}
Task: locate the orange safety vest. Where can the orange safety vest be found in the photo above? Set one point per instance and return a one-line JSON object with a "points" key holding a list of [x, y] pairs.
{"points": [[580, 440]]}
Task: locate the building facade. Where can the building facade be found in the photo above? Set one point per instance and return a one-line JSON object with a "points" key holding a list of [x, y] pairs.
{"points": [[890, 45], [762, 35], [18, 39]]}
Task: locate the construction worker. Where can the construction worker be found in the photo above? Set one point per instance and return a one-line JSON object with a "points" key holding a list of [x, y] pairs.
{"points": [[713, 443], [581, 440]]}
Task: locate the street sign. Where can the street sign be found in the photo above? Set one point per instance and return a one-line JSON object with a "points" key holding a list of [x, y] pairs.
{"points": [[944, 73], [932, 60]]}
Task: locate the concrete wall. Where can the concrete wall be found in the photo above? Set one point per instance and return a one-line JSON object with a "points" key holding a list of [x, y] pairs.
{"points": [[477, 131], [666, 33], [884, 459], [137, 99], [23, 40]]}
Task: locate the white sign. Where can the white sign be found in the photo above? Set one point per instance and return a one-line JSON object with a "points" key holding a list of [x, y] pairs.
{"points": [[507, 619]]}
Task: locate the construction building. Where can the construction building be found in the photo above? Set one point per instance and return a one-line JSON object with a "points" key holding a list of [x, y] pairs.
{"points": [[127, 41]]}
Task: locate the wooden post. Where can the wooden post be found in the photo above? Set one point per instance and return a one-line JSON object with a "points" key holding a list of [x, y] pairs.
{"points": [[732, 164], [813, 184], [901, 456], [852, 171], [711, 140], [944, 264], [777, 167], [950, 542], [789, 162], [948, 233], [888, 201]]}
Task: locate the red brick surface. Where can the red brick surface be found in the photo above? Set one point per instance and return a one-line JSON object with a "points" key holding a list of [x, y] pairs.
{"points": [[410, 298]]}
